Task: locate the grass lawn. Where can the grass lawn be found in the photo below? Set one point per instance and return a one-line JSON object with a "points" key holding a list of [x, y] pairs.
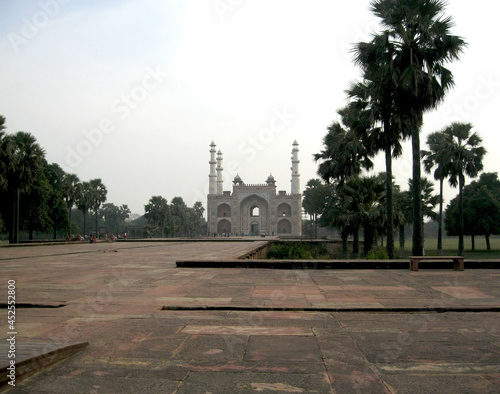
{"points": [[450, 247]]}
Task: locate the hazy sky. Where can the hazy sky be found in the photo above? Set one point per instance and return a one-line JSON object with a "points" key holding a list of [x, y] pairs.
{"points": [[133, 92]]}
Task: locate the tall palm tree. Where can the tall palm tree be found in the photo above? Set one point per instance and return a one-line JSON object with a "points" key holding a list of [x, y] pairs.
{"points": [[98, 195], [422, 43], [376, 97], [465, 153], [437, 158], [84, 202], [24, 162], [71, 190], [346, 152]]}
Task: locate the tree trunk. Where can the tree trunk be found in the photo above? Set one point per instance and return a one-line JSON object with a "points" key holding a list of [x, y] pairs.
{"points": [[368, 239], [461, 215], [417, 248], [402, 239], [69, 222], [390, 204], [84, 222], [345, 247], [440, 220], [96, 228], [30, 234], [16, 216], [355, 245], [473, 242], [488, 245]]}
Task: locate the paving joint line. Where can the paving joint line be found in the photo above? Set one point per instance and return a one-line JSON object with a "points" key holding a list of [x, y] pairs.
{"points": [[330, 310]]}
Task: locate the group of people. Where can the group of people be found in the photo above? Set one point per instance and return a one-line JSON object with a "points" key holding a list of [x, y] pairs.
{"points": [[93, 239]]}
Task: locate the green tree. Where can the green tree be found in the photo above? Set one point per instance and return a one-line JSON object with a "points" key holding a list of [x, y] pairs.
{"points": [[98, 194], [465, 155], [23, 161], [178, 213], [375, 95], [84, 202], [437, 158], [314, 200], [419, 33], [56, 205], [481, 200], [427, 198], [157, 213], [363, 197], [71, 192], [345, 154]]}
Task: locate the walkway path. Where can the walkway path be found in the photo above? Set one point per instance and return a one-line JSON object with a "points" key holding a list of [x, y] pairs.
{"points": [[289, 331]]}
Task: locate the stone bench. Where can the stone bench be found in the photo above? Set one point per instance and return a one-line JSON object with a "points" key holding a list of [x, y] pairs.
{"points": [[457, 260]]}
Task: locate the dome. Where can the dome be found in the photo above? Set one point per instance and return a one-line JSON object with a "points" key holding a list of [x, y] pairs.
{"points": [[270, 180], [237, 180]]}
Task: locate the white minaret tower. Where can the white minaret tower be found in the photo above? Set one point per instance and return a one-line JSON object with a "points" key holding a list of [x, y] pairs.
{"points": [[212, 186], [295, 168], [220, 181]]}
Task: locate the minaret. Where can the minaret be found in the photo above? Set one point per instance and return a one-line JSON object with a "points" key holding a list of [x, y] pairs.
{"points": [[220, 181], [295, 168], [212, 186]]}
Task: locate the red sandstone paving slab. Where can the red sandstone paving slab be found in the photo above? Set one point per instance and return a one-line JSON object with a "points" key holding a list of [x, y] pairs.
{"points": [[210, 349], [358, 382], [194, 329], [452, 383], [89, 383], [251, 382], [288, 347], [462, 292]]}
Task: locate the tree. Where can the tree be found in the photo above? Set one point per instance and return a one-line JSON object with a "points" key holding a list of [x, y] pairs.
{"points": [[98, 195], [115, 216], [71, 190], [465, 155], [376, 97], [481, 200], [157, 212], [84, 202], [422, 45], [427, 198], [313, 201], [56, 205], [363, 196], [345, 153], [437, 157], [23, 160], [178, 213]]}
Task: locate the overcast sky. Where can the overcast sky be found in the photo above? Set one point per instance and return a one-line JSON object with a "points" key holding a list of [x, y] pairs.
{"points": [[134, 91]]}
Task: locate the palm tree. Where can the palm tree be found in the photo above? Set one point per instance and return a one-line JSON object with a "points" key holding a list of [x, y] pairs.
{"points": [[71, 190], [24, 160], [465, 155], [346, 152], [98, 195], [437, 157], [84, 202], [420, 36]]}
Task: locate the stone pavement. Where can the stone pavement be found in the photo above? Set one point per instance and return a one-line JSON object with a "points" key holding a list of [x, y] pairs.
{"points": [[153, 327]]}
